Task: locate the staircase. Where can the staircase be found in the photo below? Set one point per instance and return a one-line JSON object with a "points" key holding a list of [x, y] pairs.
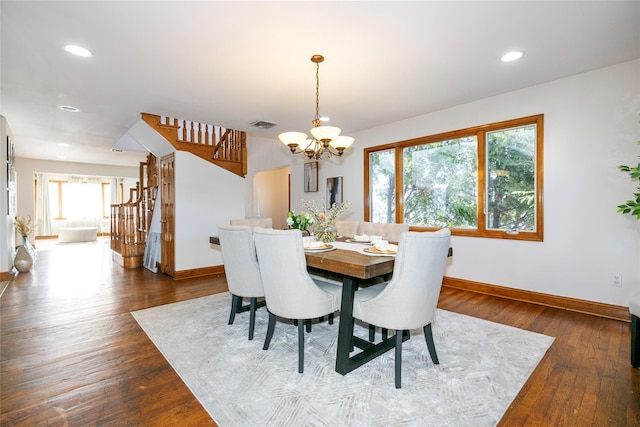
{"points": [[131, 221], [226, 148]]}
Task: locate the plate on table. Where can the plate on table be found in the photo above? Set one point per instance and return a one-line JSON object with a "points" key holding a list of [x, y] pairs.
{"points": [[362, 242], [379, 252], [323, 248]]}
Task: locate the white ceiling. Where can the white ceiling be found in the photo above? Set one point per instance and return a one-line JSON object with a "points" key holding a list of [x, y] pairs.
{"points": [[231, 63]]}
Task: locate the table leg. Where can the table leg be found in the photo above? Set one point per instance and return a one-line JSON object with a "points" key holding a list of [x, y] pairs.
{"points": [[345, 329]]}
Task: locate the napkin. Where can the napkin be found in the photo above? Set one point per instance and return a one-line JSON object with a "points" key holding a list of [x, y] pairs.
{"points": [[361, 238], [385, 246], [313, 245]]}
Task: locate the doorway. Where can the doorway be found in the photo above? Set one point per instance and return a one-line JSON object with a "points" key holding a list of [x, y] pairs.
{"points": [[271, 195]]}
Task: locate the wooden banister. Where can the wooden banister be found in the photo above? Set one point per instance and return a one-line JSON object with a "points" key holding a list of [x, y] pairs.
{"points": [[223, 147], [130, 221]]}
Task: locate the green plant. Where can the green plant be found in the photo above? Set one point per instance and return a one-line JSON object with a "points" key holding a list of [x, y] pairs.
{"points": [[301, 221], [632, 206]]}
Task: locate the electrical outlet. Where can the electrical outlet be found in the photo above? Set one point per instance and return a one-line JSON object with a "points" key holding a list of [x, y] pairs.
{"points": [[616, 279]]}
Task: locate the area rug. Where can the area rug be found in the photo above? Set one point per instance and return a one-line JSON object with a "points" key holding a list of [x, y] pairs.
{"points": [[482, 367]]}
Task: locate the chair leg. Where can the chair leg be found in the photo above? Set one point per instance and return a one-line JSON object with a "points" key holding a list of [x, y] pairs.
{"points": [[270, 328], [372, 333], [308, 323], [301, 345], [635, 341], [331, 318], [428, 335], [236, 303], [385, 333], [398, 361], [253, 303]]}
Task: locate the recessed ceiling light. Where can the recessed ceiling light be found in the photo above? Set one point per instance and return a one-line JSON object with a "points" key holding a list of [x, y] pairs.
{"points": [[78, 51], [69, 108], [512, 56], [60, 157], [62, 144]]}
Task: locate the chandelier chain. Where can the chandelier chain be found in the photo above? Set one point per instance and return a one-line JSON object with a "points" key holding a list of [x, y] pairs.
{"points": [[316, 121]]}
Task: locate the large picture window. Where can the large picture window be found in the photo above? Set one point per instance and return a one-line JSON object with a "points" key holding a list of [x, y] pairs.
{"points": [[484, 181]]}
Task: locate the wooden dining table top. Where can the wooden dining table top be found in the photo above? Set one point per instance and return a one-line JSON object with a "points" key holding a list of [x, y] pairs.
{"points": [[350, 263]]}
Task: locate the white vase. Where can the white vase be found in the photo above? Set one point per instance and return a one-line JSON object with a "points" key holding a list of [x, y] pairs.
{"points": [[23, 261]]}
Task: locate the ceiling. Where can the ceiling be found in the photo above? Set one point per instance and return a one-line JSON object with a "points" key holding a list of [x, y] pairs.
{"points": [[232, 63]]}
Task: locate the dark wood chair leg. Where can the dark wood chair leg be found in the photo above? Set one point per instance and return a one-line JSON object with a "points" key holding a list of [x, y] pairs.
{"points": [[635, 341], [398, 361], [253, 304], [331, 318], [270, 328], [428, 336], [236, 303], [372, 333], [301, 345], [308, 324], [385, 333]]}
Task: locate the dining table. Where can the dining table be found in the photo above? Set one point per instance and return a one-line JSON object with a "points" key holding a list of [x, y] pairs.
{"points": [[349, 261], [357, 265]]}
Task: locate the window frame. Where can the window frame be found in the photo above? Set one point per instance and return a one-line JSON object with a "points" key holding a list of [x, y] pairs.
{"points": [[480, 133]]}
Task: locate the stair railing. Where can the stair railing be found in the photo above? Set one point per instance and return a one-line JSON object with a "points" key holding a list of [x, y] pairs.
{"points": [[224, 147]]}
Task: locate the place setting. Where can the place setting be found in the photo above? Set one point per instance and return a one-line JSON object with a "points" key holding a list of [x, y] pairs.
{"points": [[315, 246], [377, 245]]}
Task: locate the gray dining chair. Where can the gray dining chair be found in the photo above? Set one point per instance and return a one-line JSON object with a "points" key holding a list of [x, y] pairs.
{"points": [[289, 291], [253, 222], [389, 231], [347, 228], [241, 270], [409, 299]]}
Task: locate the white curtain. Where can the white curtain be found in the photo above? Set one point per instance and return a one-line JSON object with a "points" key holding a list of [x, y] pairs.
{"points": [[43, 221], [116, 192]]}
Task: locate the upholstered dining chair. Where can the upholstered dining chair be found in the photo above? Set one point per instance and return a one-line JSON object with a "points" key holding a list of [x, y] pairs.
{"points": [[242, 271], [253, 222], [409, 299], [390, 232], [347, 228], [289, 291]]}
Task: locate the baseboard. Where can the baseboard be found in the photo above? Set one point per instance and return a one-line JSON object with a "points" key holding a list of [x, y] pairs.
{"points": [[582, 306], [216, 270]]}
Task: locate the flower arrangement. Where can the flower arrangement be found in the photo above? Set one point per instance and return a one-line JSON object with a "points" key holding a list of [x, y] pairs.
{"points": [[301, 221], [325, 221], [23, 225]]}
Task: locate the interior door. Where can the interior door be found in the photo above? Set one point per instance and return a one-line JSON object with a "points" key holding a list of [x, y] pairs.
{"points": [[167, 219]]}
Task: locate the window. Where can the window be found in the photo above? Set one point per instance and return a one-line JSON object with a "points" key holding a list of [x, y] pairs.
{"points": [[484, 181]]}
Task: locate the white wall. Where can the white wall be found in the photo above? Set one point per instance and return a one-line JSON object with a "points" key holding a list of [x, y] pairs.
{"points": [[591, 126], [205, 197], [6, 220]]}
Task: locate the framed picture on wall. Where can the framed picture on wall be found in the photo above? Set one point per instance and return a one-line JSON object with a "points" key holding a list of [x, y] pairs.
{"points": [[334, 191], [310, 177]]}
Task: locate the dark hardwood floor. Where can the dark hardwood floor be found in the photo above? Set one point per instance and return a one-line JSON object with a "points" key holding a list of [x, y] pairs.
{"points": [[72, 355]]}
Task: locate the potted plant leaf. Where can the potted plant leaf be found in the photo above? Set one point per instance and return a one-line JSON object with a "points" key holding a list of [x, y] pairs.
{"points": [[632, 206]]}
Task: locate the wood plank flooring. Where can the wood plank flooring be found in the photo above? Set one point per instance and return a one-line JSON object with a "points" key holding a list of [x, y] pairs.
{"points": [[72, 355]]}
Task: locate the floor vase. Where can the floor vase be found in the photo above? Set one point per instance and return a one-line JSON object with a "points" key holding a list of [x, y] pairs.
{"points": [[25, 256]]}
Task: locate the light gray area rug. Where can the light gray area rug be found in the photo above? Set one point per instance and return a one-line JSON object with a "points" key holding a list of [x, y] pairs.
{"points": [[482, 367]]}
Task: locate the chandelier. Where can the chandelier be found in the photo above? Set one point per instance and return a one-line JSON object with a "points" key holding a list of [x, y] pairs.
{"points": [[324, 139]]}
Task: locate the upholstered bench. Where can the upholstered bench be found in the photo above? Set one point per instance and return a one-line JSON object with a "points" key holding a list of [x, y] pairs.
{"points": [[77, 234], [634, 309]]}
